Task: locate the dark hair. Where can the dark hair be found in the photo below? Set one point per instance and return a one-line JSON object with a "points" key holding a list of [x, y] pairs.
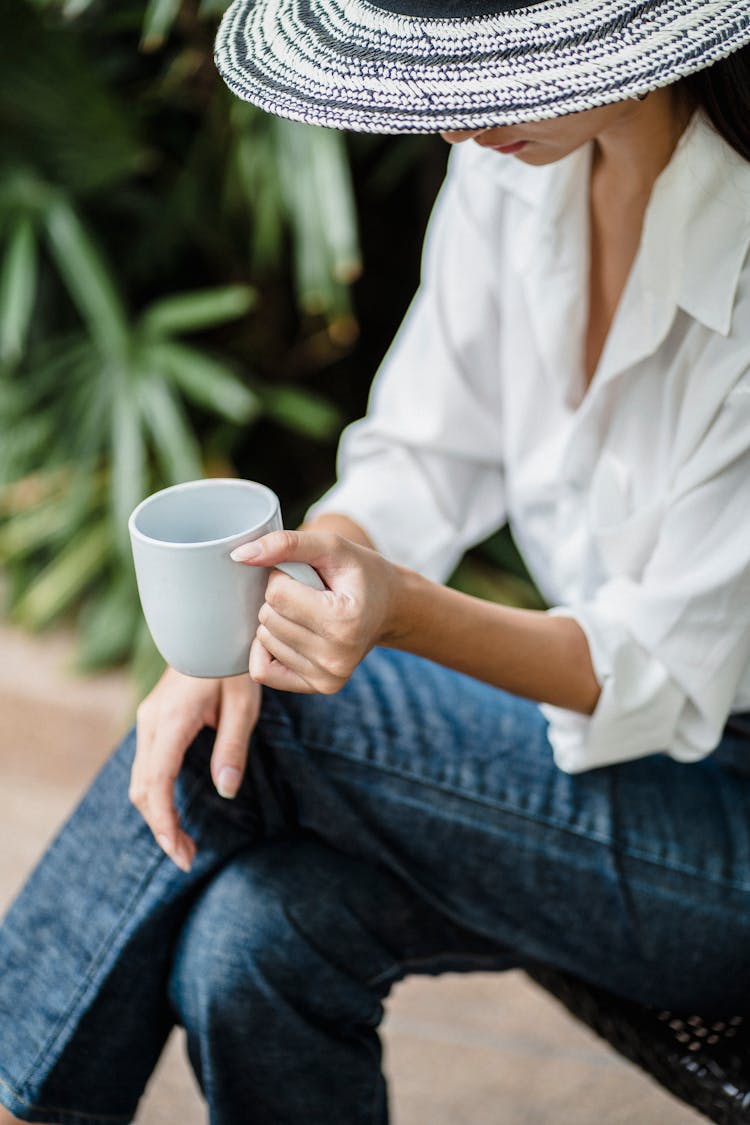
{"points": [[722, 91]]}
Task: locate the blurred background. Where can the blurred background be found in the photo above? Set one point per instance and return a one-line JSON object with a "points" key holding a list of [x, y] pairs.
{"points": [[188, 287]]}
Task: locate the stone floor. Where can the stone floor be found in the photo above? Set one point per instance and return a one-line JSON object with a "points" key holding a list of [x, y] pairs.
{"points": [[459, 1050]]}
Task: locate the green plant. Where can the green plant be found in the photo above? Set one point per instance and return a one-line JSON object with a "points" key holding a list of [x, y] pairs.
{"points": [[175, 297], [496, 572], [140, 204]]}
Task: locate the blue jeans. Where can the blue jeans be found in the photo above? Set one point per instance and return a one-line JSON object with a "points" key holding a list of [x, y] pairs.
{"points": [[413, 823]]}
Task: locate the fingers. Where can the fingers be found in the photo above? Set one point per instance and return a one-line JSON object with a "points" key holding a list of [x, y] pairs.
{"points": [[296, 602], [301, 638], [238, 714], [313, 639], [264, 669], [290, 657], [321, 626], [154, 772], [323, 668], [168, 720]]}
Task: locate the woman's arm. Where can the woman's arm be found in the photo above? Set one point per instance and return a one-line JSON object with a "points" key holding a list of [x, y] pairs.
{"points": [[523, 651], [547, 658], [309, 640]]}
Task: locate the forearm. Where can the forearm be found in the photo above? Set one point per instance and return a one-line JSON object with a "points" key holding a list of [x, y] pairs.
{"points": [[526, 652]]}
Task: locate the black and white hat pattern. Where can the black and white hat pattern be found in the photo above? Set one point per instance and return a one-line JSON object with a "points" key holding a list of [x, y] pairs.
{"points": [[414, 66]]}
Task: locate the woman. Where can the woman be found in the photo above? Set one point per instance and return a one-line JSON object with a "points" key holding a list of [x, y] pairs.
{"points": [[576, 360]]}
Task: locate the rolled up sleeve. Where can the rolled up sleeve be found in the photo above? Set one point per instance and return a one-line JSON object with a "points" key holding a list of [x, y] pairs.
{"points": [[421, 473], [671, 648]]}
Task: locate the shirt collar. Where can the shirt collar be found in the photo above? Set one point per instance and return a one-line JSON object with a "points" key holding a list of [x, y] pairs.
{"points": [[696, 231]]}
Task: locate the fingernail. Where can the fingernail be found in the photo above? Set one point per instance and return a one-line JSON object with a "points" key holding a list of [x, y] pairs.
{"points": [[246, 552], [183, 862], [166, 843], [229, 782]]}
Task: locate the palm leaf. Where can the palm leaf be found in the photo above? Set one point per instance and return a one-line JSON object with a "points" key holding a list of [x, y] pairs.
{"points": [[157, 22], [252, 184], [205, 381], [73, 8], [17, 290], [50, 518], [332, 189], [191, 312], [211, 8], [88, 279], [312, 267], [61, 582], [129, 470], [175, 446], [301, 410], [108, 623], [27, 443], [28, 531]]}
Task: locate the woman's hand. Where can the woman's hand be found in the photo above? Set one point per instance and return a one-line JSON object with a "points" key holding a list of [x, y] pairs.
{"points": [[312, 640], [168, 720]]}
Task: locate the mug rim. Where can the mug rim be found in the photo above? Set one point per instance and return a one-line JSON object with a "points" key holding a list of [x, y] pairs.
{"points": [[203, 482]]}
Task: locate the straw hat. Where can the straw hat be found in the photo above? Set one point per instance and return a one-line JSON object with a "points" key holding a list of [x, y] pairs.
{"points": [[416, 66]]}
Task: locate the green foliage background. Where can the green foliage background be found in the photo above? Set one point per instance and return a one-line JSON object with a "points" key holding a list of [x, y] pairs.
{"points": [[179, 297]]}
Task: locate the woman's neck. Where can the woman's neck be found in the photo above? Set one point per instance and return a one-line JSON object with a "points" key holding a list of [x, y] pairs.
{"points": [[627, 160], [636, 148]]}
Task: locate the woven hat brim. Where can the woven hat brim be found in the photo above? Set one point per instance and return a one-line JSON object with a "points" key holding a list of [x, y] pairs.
{"points": [[348, 64]]}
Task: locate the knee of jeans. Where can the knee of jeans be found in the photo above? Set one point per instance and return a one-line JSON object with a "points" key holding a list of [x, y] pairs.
{"points": [[268, 925]]}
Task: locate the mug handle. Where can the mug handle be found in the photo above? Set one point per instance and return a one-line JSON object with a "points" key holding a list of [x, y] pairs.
{"points": [[303, 573]]}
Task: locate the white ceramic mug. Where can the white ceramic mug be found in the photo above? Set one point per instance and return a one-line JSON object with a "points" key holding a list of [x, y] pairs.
{"points": [[200, 606]]}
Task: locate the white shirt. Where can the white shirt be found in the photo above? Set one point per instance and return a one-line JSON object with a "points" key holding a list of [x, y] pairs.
{"points": [[629, 501]]}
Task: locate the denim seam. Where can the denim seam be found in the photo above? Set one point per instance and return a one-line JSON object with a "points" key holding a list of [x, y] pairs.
{"points": [[681, 869], [463, 794], [65, 1112], [101, 955], [522, 814], [628, 905]]}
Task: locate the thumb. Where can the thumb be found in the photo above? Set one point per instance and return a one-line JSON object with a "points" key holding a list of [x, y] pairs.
{"points": [[237, 718]]}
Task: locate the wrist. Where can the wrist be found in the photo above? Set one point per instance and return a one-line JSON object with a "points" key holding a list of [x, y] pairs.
{"points": [[403, 606]]}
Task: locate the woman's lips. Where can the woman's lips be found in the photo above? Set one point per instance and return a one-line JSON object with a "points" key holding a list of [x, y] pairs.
{"points": [[515, 147]]}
